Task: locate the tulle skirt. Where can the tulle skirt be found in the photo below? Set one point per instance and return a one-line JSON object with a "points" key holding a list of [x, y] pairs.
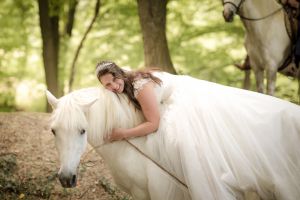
{"points": [[222, 141]]}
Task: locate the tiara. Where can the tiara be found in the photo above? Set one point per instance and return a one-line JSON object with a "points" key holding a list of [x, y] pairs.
{"points": [[101, 66]]}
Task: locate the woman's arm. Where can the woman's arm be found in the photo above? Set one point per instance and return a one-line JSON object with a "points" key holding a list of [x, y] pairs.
{"points": [[147, 99]]}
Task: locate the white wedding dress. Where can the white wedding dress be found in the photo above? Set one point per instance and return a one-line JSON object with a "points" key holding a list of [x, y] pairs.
{"points": [[223, 141]]}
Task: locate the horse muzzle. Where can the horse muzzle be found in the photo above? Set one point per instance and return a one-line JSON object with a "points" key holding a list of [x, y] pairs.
{"points": [[228, 15], [68, 181]]}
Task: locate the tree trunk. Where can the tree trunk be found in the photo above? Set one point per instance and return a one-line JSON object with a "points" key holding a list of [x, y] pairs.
{"points": [[71, 15], [152, 15], [50, 37]]}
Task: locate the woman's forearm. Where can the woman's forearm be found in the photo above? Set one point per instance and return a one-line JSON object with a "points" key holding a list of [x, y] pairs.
{"points": [[142, 129]]}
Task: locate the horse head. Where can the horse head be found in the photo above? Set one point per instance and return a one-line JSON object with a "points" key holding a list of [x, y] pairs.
{"points": [[231, 7], [69, 126]]}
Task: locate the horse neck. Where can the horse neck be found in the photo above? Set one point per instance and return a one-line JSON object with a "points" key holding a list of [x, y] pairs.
{"points": [[108, 112], [258, 8]]}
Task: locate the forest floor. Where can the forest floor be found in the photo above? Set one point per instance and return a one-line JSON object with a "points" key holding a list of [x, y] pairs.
{"points": [[29, 163]]}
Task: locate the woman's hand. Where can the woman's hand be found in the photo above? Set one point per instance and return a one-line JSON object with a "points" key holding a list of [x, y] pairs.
{"points": [[116, 134]]}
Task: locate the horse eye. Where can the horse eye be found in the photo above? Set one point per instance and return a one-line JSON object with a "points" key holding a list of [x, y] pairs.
{"points": [[53, 131], [82, 131]]}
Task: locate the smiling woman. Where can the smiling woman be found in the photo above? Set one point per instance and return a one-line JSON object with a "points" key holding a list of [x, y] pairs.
{"points": [[139, 88], [112, 83]]}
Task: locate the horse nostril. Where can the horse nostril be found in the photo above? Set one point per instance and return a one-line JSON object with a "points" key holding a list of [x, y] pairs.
{"points": [[74, 180]]}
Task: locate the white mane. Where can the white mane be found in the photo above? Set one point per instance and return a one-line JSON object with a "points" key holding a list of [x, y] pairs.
{"points": [[109, 111], [68, 115]]}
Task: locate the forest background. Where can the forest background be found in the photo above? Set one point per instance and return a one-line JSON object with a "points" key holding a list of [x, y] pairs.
{"points": [[199, 43]]}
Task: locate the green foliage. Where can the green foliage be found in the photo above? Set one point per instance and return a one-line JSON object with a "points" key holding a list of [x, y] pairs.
{"points": [[19, 49], [115, 36], [200, 42], [201, 45]]}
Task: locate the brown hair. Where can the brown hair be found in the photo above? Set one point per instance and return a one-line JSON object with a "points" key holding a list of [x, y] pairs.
{"points": [[105, 67]]}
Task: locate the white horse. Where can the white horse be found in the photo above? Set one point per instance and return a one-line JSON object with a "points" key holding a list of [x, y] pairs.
{"points": [[267, 41], [88, 114]]}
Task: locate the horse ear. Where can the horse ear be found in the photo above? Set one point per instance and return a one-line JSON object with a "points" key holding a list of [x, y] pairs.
{"points": [[86, 106], [52, 100]]}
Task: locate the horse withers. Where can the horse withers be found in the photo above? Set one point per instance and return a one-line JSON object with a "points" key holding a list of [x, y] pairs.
{"points": [[267, 40]]}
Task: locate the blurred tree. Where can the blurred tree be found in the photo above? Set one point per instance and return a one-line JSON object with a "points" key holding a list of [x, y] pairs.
{"points": [[70, 19], [73, 69], [69, 12], [152, 15], [49, 21]]}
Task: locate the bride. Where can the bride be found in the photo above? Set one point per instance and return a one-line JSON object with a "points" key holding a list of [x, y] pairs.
{"points": [[220, 140]]}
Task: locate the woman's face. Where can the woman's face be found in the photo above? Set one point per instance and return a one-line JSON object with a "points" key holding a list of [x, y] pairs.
{"points": [[112, 83]]}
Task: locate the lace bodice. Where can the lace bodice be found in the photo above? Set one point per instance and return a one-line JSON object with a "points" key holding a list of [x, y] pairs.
{"points": [[139, 84], [162, 91]]}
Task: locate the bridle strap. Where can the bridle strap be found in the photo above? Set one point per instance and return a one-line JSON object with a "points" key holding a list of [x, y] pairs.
{"points": [[261, 18], [237, 7]]}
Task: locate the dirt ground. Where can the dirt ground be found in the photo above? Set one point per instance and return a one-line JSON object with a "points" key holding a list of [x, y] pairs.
{"points": [[29, 163]]}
